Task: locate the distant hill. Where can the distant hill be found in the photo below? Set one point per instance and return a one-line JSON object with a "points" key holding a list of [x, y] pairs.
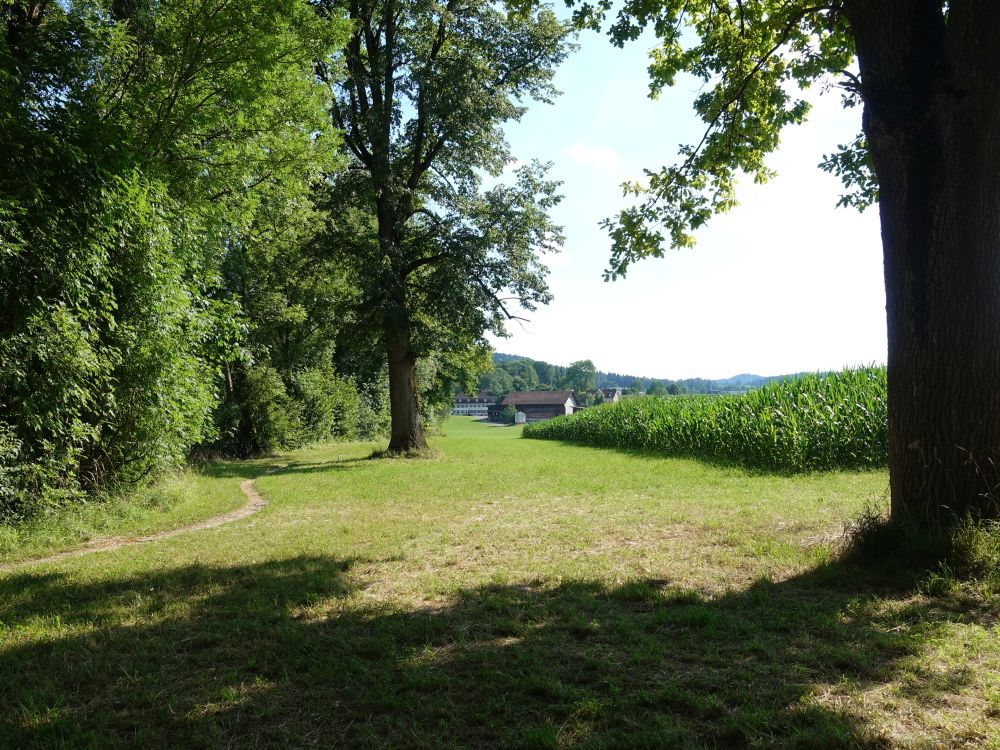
{"points": [[735, 384]]}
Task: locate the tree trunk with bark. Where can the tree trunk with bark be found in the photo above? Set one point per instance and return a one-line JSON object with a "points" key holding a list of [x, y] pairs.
{"points": [[932, 120], [404, 397]]}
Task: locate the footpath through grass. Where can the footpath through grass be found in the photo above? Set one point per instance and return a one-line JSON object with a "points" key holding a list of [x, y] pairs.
{"points": [[507, 593], [175, 501]]}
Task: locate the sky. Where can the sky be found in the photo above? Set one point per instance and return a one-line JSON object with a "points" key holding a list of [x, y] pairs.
{"points": [[786, 282]]}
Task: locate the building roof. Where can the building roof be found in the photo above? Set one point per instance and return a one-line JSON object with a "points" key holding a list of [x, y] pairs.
{"points": [[538, 398], [610, 391], [480, 396]]}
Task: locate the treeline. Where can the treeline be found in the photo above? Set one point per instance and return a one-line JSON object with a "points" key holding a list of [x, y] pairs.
{"points": [[547, 375], [511, 373], [193, 256], [159, 281]]}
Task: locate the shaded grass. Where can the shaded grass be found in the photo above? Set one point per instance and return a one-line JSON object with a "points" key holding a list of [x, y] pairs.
{"points": [[506, 593]]}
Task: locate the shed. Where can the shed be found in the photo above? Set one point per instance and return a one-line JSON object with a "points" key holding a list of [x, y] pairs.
{"points": [[537, 405]]}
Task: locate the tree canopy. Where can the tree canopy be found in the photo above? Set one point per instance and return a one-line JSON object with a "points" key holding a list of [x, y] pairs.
{"points": [[137, 140], [437, 255]]}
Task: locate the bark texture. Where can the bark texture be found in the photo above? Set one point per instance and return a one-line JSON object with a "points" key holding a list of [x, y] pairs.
{"points": [[404, 398], [932, 118]]}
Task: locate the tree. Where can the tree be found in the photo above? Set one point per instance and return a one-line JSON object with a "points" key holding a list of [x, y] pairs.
{"points": [[438, 258], [546, 374], [496, 381], [522, 373], [928, 77], [656, 388], [581, 376], [136, 138]]}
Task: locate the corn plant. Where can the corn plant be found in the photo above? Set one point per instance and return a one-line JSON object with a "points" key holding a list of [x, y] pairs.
{"points": [[807, 423]]}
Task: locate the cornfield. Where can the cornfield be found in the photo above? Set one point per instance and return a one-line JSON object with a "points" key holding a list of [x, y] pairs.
{"points": [[808, 423]]}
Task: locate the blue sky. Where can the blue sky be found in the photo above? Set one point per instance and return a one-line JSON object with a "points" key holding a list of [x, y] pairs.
{"points": [[783, 283]]}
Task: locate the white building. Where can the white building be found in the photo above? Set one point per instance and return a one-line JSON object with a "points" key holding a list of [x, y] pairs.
{"points": [[472, 406]]}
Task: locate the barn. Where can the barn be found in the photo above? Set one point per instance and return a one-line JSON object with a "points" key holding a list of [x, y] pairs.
{"points": [[537, 405]]}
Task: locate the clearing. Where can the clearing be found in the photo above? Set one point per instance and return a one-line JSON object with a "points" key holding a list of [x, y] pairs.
{"points": [[504, 593]]}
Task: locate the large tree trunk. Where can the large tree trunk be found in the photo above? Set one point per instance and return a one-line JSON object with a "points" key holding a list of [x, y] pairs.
{"points": [[932, 119], [404, 399]]}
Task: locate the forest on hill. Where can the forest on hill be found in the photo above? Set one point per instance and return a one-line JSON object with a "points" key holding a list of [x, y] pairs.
{"points": [[547, 375]]}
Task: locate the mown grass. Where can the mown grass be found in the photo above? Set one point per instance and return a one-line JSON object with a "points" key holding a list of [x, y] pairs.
{"points": [[505, 593], [175, 500], [808, 423]]}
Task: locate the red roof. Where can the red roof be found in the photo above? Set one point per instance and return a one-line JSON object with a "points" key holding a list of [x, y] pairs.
{"points": [[537, 398]]}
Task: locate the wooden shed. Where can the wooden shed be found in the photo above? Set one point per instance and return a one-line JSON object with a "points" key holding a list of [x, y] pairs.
{"points": [[537, 405]]}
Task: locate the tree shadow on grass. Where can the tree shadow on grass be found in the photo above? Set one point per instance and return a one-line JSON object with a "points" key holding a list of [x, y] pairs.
{"points": [[249, 469], [279, 654], [309, 467]]}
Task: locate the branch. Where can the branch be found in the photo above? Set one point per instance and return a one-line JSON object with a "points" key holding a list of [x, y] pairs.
{"points": [[737, 94], [350, 138], [426, 261], [418, 140], [499, 302]]}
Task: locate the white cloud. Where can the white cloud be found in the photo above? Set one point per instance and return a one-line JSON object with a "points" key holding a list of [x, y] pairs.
{"points": [[602, 157]]}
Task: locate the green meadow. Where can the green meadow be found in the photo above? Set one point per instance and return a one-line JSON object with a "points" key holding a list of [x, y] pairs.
{"points": [[501, 593]]}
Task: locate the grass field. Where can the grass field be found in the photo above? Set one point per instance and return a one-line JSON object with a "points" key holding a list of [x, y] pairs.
{"points": [[175, 500], [505, 593]]}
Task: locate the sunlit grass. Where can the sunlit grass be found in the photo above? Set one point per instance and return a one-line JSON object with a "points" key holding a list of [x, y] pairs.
{"points": [[175, 500], [504, 593]]}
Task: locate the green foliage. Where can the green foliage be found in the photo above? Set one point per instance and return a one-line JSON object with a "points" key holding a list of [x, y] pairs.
{"points": [[497, 381], [656, 388], [138, 141], [581, 376], [749, 57], [524, 377], [373, 410], [271, 417], [428, 92], [442, 374], [265, 413], [331, 405], [809, 423], [508, 415], [102, 377]]}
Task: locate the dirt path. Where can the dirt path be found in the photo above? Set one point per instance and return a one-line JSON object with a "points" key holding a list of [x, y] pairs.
{"points": [[253, 505]]}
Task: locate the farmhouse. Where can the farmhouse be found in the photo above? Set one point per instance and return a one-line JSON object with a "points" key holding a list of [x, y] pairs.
{"points": [[473, 406], [608, 395], [537, 405]]}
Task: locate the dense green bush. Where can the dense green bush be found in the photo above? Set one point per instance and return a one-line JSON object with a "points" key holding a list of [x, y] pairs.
{"points": [[264, 414], [102, 374], [114, 320], [813, 422], [373, 415], [331, 405]]}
